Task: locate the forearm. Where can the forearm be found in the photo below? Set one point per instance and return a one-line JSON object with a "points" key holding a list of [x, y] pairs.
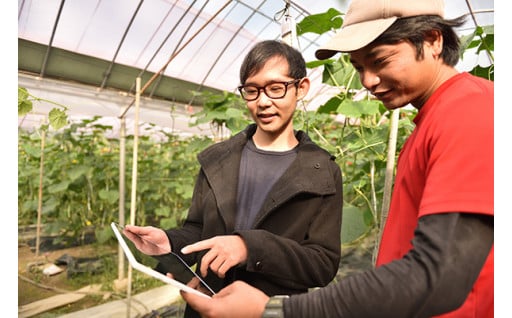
{"points": [[426, 282]]}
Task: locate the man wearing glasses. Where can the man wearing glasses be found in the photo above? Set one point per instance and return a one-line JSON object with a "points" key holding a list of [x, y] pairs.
{"points": [[275, 90], [267, 204]]}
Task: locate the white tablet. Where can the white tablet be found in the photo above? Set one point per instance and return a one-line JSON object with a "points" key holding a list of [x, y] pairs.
{"points": [[171, 263]]}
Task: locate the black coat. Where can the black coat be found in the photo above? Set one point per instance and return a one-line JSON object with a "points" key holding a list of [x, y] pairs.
{"points": [[295, 243]]}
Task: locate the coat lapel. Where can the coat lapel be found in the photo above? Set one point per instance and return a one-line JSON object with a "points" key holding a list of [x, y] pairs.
{"points": [[221, 165]]}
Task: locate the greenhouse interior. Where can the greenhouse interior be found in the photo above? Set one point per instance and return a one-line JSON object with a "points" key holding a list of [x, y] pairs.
{"points": [[116, 98]]}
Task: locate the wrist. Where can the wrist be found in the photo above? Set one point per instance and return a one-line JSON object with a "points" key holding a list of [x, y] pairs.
{"points": [[274, 307]]}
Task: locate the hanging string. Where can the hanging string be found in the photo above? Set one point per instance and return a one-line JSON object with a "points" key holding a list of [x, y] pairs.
{"points": [[279, 14], [288, 27], [289, 36]]}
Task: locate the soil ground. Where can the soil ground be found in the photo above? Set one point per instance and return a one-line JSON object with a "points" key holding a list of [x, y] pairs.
{"points": [[33, 285]]}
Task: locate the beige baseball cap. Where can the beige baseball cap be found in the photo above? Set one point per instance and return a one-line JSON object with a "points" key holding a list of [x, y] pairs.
{"points": [[365, 20]]}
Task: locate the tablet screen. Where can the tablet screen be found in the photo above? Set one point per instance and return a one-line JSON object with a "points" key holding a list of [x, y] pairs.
{"points": [[166, 263]]}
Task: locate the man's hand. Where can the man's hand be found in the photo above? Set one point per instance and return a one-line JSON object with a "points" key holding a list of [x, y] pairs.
{"points": [[224, 252], [237, 300], [149, 240]]}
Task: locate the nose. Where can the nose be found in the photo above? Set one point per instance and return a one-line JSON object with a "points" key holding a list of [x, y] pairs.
{"points": [[369, 80], [263, 99]]}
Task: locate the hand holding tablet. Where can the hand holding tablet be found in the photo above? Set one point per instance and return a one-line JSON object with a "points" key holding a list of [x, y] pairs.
{"points": [[183, 277]]}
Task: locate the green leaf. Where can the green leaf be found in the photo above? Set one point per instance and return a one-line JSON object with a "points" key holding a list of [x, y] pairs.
{"points": [[317, 63], [57, 118], [349, 108], [368, 107], [341, 73], [103, 234], [24, 105], [50, 205], [487, 44], [22, 94], [466, 42], [59, 187], [168, 223], [353, 224], [320, 23], [357, 109], [30, 205], [33, 151], [484, 72], [24, 108], [111, 196], [488, 29], [163, 211], [331, 105], [78, 171]]}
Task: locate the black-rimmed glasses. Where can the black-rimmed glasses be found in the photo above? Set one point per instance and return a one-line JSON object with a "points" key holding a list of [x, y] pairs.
{"points": [[274, 90]]}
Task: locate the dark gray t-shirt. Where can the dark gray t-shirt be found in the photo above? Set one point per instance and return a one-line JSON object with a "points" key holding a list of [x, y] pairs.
{"points": [[259, 170]]}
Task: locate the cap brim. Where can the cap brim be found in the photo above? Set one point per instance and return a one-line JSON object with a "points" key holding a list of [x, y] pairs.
{"points": [[353, 37]]}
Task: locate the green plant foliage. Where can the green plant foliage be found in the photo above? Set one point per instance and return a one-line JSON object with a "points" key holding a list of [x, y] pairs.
{"points": [[320, 23], [485, 72], [354, 225], [359, 143], [340, 72], [24, 104], [481, 38], [226, 110], [81, 165], [57, 117], [81, 179], [478, 41], [354, 109]]}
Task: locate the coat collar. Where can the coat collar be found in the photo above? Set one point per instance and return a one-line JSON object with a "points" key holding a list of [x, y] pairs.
{"points": [[310, 172]]}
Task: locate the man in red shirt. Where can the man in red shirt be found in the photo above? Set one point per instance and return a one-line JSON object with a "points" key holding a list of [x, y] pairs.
{"points": [[436, 256]]}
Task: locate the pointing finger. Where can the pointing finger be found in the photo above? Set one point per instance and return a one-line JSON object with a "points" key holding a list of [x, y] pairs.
{"points": [[198, 246]]}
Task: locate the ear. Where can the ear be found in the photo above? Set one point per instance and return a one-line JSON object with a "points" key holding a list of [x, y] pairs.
{"points": [[434, 40], [303, 88]]}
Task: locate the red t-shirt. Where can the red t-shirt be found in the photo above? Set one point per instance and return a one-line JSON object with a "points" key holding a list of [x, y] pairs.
{"points": [[447, 165]]}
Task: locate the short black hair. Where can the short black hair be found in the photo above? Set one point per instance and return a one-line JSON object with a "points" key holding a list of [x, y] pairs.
{"points": [[265, 50], [417, 28]]}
